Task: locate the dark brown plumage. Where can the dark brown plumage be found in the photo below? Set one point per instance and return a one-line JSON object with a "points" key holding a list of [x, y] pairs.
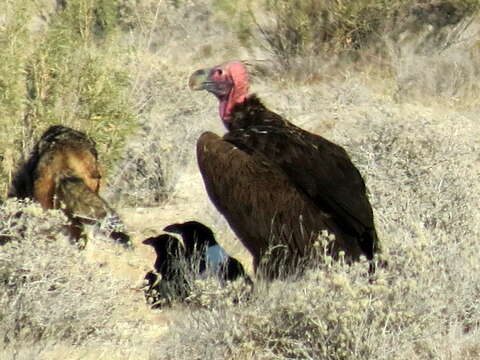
{"points": [[278, 185]]}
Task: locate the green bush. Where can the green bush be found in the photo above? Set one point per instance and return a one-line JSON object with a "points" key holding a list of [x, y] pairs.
{"points": [[67, 70]]}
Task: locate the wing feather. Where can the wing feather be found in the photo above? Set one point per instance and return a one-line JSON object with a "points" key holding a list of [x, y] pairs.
{"points": [[321, 170], [259, 201]]}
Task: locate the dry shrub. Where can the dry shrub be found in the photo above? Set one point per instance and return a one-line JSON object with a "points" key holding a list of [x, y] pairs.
{"points": [[63, 66], [49, 293], [420, 169], [165, 41], [147, 172], [209, 293], [304, 38], [434, 63]]}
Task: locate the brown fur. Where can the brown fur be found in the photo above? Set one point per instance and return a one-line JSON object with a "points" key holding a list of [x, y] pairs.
{"points": [[63, 173], [75, 197], [60, 150], [83, 206]]}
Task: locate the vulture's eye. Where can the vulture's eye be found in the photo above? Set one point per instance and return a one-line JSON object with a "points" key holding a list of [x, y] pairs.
{"points": [[219, 72]]}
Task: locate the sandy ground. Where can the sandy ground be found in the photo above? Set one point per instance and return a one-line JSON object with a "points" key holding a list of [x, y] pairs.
{"points": [[189, 202]]}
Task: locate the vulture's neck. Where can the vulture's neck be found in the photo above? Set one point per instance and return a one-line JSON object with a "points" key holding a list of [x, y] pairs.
{"points": [[252, 112]]}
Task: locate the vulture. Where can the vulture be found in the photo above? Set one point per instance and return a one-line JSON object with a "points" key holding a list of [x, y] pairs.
{"points": [[201, 246], [277, 185]]}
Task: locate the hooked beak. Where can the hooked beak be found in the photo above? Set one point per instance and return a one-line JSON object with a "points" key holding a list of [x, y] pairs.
{"points": [[202, 80], [199, 80]]}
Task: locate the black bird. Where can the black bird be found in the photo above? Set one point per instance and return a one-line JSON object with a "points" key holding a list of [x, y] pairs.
{"points": [[169, 250], [173, 282], [201, 246], [277, 185]]}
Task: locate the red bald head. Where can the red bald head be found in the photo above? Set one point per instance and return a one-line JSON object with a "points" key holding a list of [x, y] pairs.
{"points": [[228, 82]]}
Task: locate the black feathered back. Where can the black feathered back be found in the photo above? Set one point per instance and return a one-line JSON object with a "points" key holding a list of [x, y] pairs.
{"points": [[194, 235], [197, 238]]}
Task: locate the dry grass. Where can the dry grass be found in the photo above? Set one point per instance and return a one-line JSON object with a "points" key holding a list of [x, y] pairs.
{"points": [[421, 169], [411, 127], [54, 71]]}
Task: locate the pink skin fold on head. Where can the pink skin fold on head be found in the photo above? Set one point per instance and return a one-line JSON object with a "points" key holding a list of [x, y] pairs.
{"points": [[238, 74]]}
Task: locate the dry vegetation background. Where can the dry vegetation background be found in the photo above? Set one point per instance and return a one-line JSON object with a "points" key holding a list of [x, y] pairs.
{"points": [[394, 82]]}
